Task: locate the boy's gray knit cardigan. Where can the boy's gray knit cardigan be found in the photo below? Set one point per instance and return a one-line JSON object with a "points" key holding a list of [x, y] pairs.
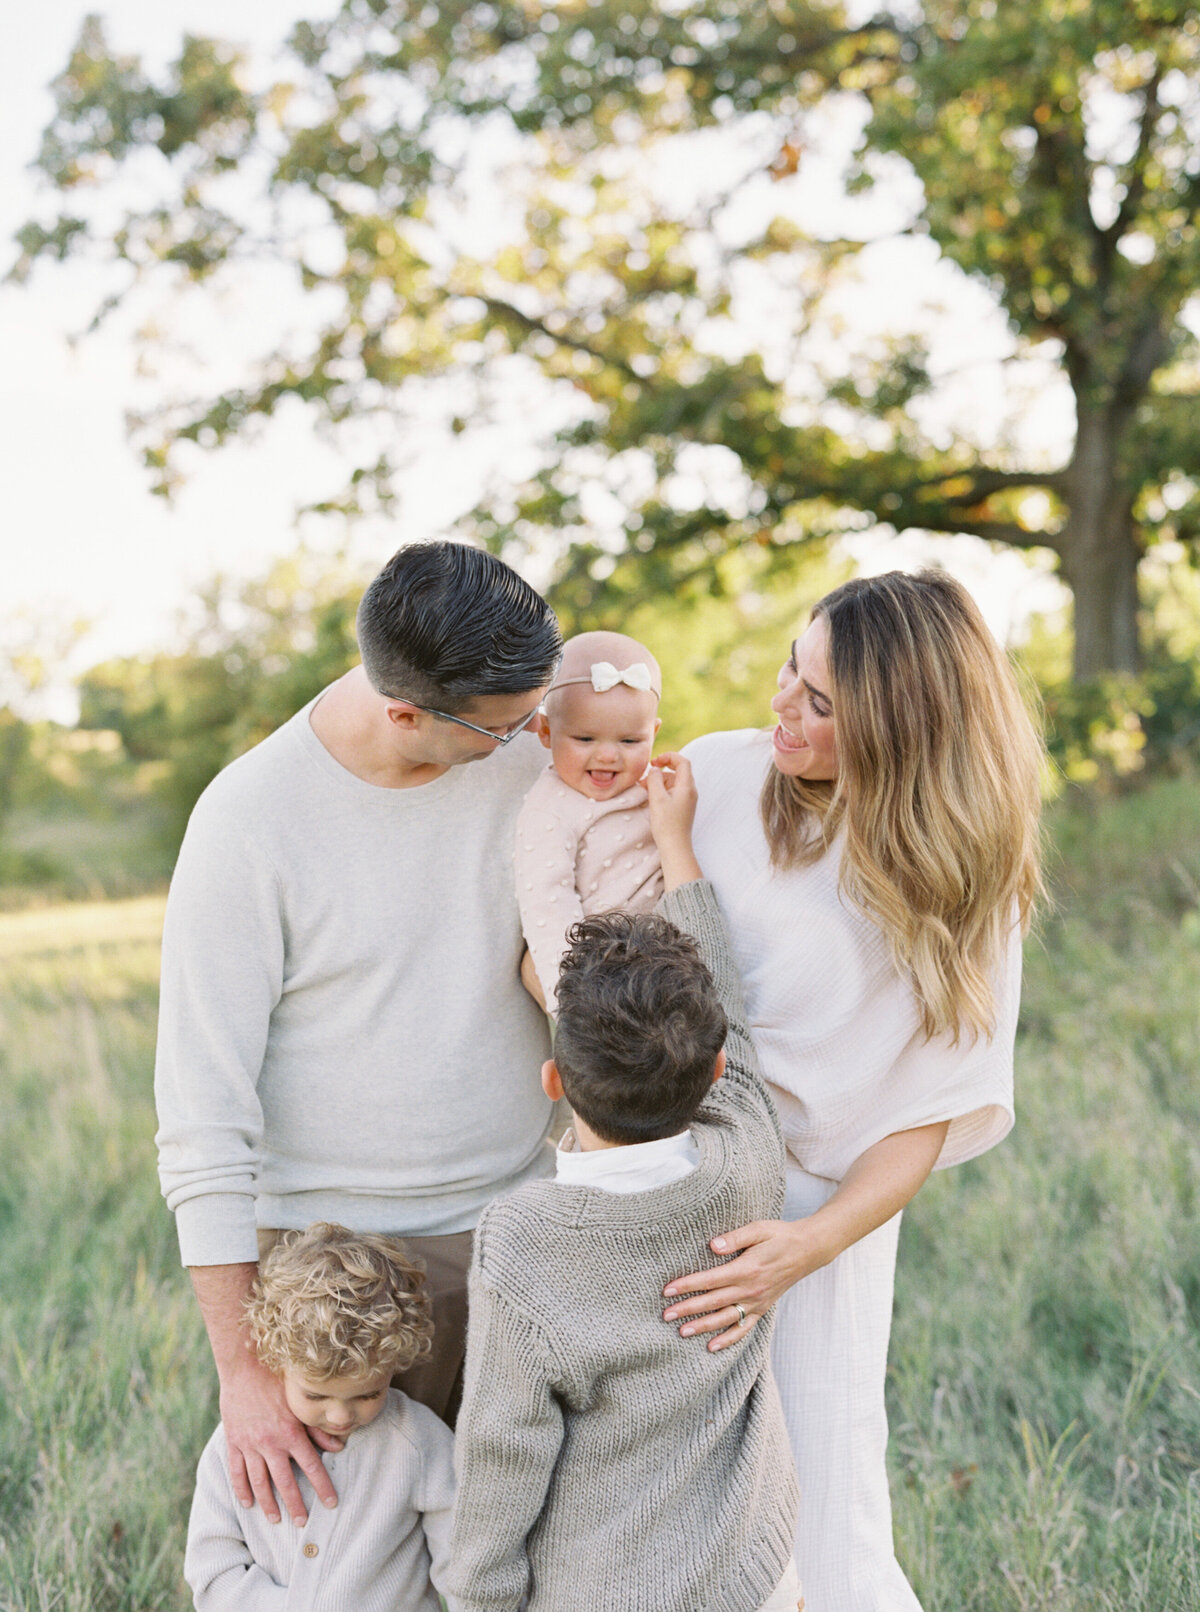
{"points": [[606, 1464]]}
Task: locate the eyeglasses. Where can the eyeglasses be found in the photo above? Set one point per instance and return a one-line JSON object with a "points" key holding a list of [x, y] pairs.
{"points": [[505, 735]]}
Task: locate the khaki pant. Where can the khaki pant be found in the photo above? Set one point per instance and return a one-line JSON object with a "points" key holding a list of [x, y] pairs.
{"points": [[435, 1381]]}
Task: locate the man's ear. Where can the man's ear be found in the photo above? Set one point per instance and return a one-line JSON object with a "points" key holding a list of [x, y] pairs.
{"points": [[403, 715], [541, 727], [719, 1066], [551, 1080]]}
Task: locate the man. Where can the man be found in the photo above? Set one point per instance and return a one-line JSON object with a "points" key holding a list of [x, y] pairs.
{"points": [[343, 1035]]}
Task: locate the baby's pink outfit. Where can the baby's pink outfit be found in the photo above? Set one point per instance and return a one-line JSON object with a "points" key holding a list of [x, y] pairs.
{"points": [[578, 857]]}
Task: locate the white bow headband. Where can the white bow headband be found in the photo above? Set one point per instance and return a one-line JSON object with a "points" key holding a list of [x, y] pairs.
{"points": [[603, 675]]}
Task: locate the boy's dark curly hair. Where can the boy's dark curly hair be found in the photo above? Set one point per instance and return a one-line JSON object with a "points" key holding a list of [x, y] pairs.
{"points": [[639, 1027]]}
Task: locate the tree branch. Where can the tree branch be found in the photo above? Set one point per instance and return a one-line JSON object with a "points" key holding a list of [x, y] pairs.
{"points": [[1135, 184], [985, 482], [506, 311], [773, 53], [1147, 350], [994, 531]]}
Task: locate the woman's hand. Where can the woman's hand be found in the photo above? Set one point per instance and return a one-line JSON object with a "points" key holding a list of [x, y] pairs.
{"points": [[671, 790], [772, 1256]]}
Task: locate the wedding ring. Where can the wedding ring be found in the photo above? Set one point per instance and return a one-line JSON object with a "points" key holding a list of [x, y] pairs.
{"points": [[741, 1310]]}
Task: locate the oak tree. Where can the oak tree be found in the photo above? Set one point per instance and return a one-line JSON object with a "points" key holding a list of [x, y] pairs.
{"points": [[1053, 157]]}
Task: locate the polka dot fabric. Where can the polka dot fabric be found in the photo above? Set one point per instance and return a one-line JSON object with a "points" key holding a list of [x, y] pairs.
{"points": [[576, 857]]}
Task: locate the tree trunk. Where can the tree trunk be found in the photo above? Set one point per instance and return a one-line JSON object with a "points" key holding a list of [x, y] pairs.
{"points": [[1100, 551]]}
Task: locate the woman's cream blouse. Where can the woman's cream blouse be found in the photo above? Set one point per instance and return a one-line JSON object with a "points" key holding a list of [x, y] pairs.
{"points": [[837, 1028]]}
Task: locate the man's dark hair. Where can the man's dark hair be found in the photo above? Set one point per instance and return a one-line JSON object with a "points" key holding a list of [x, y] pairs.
{"points": [[444, 624], [639, 1027]]}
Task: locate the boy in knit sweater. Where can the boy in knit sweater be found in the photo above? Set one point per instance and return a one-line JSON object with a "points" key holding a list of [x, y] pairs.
{"points": [[333, 1314], [604, 1463]]}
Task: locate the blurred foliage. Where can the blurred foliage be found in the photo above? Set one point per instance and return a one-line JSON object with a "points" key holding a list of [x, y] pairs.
{"points": [[32, 650], [251, 657], [721, 650], [1056, 154], [84, 822], [1111, 731], [101, 809], [254, 654]]}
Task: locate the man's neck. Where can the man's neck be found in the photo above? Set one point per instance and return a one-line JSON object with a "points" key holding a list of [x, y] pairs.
{"points": [[349, 721]]}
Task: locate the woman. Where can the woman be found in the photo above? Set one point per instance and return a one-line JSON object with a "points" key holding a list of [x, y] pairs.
{"points": [[876, 858]]}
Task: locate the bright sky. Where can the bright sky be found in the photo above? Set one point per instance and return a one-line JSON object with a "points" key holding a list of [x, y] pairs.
{"points": [[83, 536]]}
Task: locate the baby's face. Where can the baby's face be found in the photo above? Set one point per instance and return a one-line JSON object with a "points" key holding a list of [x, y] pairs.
{"points": [[338, 1405], [600, 743]]}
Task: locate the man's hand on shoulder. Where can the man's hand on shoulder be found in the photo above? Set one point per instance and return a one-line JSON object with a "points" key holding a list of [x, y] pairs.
{"points": [[264, 1438]]}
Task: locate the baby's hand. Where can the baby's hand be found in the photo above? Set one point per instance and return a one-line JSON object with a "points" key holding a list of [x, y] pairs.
{"points": [[672, 793]]}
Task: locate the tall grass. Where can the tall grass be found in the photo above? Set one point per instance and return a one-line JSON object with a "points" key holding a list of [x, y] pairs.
{"points": [[1045, 1379], [1045, 1386], [105, 1396]]}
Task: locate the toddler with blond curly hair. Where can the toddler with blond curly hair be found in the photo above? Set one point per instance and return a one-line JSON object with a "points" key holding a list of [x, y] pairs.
{"points": [[335, 1314]]}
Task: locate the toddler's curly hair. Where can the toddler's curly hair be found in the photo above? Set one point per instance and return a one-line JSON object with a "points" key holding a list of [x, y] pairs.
{"points": [[335, 1303]]}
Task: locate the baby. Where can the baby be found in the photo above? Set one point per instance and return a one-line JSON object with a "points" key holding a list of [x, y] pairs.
{"points": [[583, 837], [334, 1314]]}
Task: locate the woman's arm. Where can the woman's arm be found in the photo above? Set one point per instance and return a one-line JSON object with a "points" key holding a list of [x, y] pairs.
{"points": [[773, 1254]]}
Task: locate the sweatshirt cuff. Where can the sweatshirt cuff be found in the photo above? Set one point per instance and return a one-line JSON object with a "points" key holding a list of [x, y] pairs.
{"points": [[695, 901], [217, 1228]]}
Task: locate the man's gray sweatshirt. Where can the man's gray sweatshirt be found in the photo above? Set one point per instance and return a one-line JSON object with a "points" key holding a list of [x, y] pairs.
{"points": [[343, 1034], [605, 1463]]}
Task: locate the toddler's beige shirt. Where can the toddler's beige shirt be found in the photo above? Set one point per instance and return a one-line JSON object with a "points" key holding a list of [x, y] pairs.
{"points": [[576, 857]]}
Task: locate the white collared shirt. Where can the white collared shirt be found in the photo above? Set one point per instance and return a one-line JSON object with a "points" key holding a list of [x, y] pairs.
{"points": [[633, 1167]]}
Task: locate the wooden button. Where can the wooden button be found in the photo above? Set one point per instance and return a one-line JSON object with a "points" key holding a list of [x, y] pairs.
{"points": [[310, 1549]]}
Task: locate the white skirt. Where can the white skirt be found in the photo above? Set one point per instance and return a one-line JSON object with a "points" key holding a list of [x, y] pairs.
{"points": [[830, 1356]]}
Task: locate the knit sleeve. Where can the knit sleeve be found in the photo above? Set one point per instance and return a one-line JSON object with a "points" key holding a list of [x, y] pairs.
{"points": [[508, 1438], [218, 1566], [549, 902], [222, 975], [694, 908]]}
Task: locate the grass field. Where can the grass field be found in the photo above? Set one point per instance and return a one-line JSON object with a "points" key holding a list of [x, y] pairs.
{"points": [[1045, 1385]]}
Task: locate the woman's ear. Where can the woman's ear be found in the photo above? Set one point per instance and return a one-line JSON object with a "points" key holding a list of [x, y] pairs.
{"points": [[719, 1066], [552, 1080]]}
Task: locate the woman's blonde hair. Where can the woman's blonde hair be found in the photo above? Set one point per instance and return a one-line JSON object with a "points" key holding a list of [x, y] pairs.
{"points": [[335, 1303], [938, 790]]}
